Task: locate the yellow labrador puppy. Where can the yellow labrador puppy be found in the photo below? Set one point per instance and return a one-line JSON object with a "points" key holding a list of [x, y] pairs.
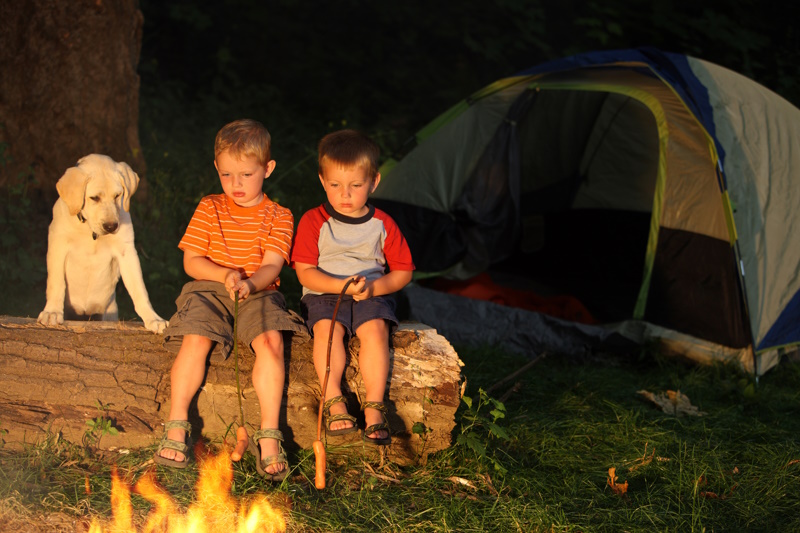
{"points": [[90, 244]]}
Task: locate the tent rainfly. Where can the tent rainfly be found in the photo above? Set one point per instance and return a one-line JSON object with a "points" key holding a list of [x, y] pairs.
{"points": [[658, 189]]}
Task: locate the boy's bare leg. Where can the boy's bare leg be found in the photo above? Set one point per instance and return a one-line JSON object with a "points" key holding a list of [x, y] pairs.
{"points": [[268, 377], [373, 361], [186, 377], [338, 360]]}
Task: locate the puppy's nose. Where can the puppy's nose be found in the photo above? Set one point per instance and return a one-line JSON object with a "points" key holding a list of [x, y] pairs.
{"points": [[110, 227]]}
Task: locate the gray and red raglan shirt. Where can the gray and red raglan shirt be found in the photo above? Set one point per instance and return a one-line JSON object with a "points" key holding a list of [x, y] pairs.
{"points": [[343, 246]]}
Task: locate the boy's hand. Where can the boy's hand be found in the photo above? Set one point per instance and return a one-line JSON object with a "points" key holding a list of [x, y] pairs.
{"points": [[245, 288], [386, 284], [367, 291], [357, 286], [234, 283]]}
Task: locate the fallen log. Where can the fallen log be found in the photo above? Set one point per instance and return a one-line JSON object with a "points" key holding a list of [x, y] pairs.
{"points": [[55, 379]]}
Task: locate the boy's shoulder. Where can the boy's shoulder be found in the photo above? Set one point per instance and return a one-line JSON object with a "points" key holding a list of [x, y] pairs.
{"points": [[317, 214], [319, 210], [271, 204], [384, 217], [221, 203], [380, 213], [211, 199], [210, 204]]}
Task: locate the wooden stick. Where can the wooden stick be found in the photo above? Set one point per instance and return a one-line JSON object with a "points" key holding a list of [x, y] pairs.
{"points": [[318, 446], [517, 372], [242, 439], [509, 392]]}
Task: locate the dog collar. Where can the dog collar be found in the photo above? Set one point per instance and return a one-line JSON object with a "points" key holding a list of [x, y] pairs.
{"points": [[83, 219]]}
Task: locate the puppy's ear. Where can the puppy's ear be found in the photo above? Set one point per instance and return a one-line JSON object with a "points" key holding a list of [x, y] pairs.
{"points": [[130, 182], [71, 188]]}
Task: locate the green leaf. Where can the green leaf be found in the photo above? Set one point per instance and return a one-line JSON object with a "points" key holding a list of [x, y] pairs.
{"points": [[498, 404], [474, 444], [497, 413], [497, 431]]}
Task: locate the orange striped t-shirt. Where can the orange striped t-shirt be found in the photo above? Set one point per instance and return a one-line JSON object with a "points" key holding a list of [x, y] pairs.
{"points": [[237, 237]]}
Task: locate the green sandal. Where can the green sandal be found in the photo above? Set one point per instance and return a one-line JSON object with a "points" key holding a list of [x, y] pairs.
{"points": [[280, 458], [377, 427], [329, 418], [178, 446]]}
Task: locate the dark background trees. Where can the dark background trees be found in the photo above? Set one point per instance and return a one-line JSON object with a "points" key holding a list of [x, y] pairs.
{"points": [[68, 87], [305, 68], [395, 65]]}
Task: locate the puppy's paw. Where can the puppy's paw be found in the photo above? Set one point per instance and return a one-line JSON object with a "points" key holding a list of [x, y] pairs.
{"points": [[51, 318], [156, 325]]}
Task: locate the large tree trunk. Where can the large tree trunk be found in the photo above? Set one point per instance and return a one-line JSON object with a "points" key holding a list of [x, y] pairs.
{"points": [[68, 87], [54, 378]]}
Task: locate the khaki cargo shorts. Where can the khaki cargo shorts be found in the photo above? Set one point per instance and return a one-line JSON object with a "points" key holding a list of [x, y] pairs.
{"points": [[205, 308]]}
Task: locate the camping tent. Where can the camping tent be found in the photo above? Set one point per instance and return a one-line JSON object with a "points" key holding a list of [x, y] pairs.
{"points": [[659, 190]]}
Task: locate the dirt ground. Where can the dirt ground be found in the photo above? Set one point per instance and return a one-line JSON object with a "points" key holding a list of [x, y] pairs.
{"points": [[19, 521]]}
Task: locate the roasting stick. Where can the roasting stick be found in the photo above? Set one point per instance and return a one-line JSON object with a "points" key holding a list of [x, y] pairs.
{"points": [[241, 432], [318, 446]]}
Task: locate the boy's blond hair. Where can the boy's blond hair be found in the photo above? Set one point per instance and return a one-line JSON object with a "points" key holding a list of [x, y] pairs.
{"points": [[244, 138], [347, 149]]}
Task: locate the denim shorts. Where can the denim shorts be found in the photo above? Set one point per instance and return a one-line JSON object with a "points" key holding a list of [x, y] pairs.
{"points": [[205, 308], [352, 314]]}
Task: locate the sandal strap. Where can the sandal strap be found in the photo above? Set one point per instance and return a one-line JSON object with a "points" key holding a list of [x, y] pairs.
{"points": [[347, 417], [376, 427], [382, 425], [326, 408], [271, 460], [178, 424], [268, 434], [170, 444], [339, 417], [374, 405]]}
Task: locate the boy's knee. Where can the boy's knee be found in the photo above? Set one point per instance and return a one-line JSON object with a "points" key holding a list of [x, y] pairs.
{"points": [[322, 330], [377, 329], [196, 344], [269, 343]]}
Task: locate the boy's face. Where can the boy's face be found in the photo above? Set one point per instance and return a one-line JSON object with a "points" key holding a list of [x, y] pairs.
{"points": [[242, 177], [348, 188]]}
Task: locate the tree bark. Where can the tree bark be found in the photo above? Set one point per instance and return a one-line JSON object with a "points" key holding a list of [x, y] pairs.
{"points": [[55, 379], [68, 88]]}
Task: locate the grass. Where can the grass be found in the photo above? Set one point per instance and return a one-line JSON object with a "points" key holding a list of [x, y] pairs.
{"points": [[735, 469], [541, 463]]}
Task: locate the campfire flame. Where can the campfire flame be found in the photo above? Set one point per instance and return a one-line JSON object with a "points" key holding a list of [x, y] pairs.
{"points": [[214, 508]]}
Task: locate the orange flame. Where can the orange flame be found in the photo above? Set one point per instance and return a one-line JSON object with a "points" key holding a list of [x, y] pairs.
{"points": [[214, 508]]}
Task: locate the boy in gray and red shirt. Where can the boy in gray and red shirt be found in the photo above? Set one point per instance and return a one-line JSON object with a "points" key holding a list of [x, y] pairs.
{"points": [[342, 239]]}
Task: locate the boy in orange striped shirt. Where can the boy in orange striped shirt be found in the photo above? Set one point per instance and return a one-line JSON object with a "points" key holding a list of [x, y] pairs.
{"points": [[236, 242]]}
